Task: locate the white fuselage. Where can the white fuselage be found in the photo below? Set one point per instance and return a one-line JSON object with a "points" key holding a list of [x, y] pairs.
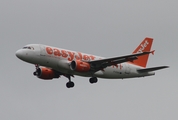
{"points": [[60, 59]]}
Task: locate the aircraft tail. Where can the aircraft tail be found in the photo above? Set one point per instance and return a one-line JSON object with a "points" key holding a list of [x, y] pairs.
{"points": [[145, 46]]}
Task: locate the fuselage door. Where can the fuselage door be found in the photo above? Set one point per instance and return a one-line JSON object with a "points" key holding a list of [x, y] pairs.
{"points": [[42, 50], [44, 58]]}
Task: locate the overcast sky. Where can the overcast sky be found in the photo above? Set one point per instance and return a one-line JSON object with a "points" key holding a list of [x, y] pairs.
{"points": [[102, 27]]}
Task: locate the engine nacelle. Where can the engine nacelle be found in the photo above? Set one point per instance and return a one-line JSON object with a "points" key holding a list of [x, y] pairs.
{"points": [[46, 73], [80, 66]]}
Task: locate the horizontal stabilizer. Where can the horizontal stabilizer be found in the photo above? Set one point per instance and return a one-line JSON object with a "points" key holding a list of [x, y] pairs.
{"points": [[152, 69]]}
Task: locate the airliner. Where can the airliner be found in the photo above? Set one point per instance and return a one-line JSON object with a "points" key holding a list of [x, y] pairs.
{"points": [[52, 62]]}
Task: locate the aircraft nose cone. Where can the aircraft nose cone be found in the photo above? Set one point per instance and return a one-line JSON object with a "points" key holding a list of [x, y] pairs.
{"points": [[19, 54]]}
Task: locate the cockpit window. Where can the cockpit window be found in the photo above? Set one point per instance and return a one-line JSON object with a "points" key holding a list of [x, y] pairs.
{"points": [[28, 47]]}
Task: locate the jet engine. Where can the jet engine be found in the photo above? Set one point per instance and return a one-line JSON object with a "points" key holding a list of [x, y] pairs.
{"points": [[80, 66], [46, 73]]}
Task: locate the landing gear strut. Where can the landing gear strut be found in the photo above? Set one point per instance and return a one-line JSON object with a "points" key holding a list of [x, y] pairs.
{"points": [[69, 84], [93, 80], [37, 72]]}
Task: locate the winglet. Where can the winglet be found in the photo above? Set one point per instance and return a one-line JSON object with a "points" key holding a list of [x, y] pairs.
{"points": [[153, 52], [145, 46]]}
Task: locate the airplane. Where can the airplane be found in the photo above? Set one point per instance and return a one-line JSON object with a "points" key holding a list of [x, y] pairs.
{"points": [[52, 62]]}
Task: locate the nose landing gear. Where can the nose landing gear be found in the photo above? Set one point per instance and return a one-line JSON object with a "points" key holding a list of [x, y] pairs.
{"points": [[37, 72]]}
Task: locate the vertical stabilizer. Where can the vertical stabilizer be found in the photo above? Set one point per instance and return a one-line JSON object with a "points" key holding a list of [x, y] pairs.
{"points": [[145, 46]]}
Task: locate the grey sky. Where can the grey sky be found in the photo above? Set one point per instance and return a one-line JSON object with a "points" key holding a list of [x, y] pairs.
{"points": [[105, 28]]}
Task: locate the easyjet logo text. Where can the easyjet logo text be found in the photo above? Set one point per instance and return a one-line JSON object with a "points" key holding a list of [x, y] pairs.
{"points": [[68, 54], [143, 46]]}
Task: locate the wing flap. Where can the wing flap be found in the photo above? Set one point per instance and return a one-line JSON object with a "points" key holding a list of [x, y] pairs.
{"points": [[152, 69]]}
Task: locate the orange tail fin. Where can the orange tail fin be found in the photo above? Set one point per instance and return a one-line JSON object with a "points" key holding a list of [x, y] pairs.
{"points": [[145, 46]]}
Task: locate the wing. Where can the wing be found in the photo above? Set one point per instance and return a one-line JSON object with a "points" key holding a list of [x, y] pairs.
{"points": [[103, 63]]}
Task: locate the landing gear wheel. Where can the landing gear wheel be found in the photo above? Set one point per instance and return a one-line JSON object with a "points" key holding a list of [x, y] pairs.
{"points": [[70, 84], [34, 73], [93, 80]]}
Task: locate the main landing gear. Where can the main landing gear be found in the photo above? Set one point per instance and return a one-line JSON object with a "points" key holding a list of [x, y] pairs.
{"points": [[71, 84], [93, 80]]}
